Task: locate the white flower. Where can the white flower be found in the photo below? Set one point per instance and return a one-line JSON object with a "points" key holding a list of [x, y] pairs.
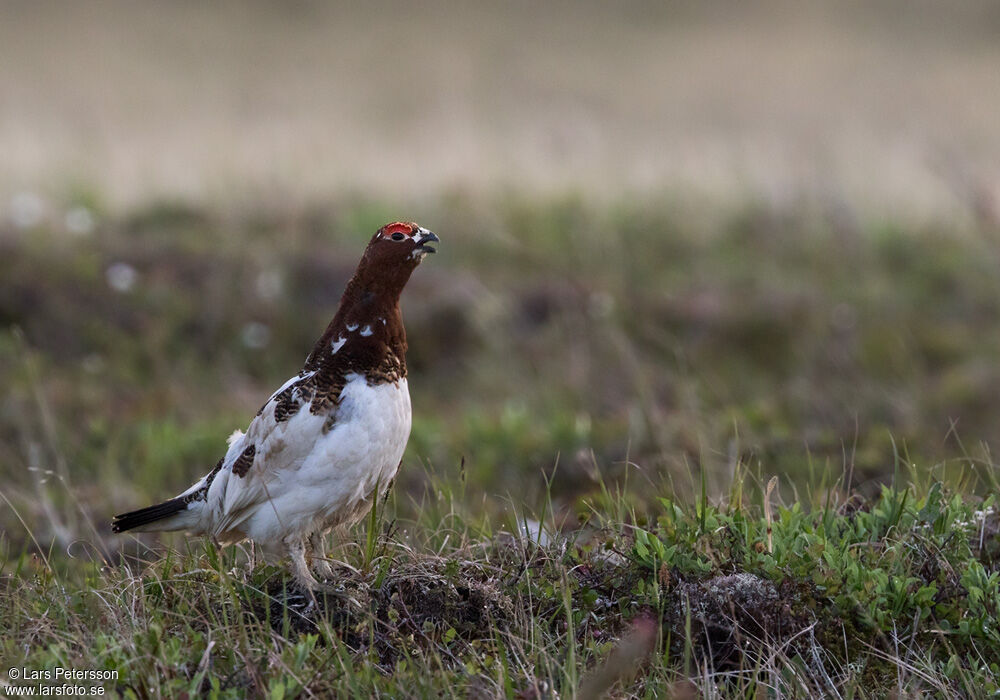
{"points": [[26, 209], [255, 335], [121, 277], [80, 220]]}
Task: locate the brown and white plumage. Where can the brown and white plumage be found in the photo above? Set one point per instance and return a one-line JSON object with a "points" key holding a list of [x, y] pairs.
{"points": [[317, 450]]}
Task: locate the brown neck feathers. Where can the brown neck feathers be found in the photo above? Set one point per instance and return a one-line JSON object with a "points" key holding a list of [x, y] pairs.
{"points": [[366, 334]]}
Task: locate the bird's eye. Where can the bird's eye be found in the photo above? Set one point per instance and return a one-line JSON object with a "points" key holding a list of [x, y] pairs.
{"points": [[398, 236]]}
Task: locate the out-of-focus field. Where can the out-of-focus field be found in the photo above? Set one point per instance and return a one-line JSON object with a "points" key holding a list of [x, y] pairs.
{"points": [[889, 106], [547, 338]]}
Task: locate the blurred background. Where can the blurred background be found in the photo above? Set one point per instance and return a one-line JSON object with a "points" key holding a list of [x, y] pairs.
{"points": [[680, 241]]}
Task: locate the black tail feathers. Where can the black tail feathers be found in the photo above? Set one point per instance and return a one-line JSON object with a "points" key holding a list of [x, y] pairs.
{"points": [[144, 516]]}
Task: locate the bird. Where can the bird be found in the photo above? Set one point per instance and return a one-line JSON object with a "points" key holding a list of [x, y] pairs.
{"points": [[328, 442]]}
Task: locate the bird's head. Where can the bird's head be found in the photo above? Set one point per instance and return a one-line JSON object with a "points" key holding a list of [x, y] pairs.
{"points": [[401, 243], [392, 254]]}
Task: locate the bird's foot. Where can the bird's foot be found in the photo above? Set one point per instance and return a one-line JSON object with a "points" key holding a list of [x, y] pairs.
{"points": [[317, 560], [303, 567], [330, 593], [305, 580], [322, 569]]}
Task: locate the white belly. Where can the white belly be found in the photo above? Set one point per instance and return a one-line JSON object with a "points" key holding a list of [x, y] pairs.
{"points": [[315, 480]]}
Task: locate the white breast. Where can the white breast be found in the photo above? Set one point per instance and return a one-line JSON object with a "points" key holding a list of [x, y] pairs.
{"points": [[313, 480]]}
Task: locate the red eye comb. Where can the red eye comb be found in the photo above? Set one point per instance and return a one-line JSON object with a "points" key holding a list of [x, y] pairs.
{"points": [[399, 227]]}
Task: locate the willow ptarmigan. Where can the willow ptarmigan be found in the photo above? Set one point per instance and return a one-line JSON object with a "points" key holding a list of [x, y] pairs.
{"points": [[316, 451]]}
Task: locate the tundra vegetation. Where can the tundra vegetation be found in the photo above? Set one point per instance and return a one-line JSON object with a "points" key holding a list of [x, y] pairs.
{"points": [[656, 452]]}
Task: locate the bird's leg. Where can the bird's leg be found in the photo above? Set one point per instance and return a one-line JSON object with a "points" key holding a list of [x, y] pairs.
{"points": [[320, 564], [296, 546]]}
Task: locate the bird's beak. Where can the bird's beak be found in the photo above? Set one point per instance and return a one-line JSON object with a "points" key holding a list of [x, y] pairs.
{"points": [[423, 238]]}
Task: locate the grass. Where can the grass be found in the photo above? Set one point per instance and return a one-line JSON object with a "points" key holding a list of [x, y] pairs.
{"points": [[603, 395], [841, 596]]}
